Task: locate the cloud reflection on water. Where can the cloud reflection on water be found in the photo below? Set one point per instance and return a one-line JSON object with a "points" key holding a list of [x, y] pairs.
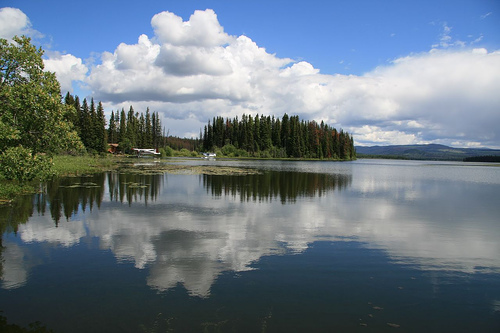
{"points": [[186, 236]]}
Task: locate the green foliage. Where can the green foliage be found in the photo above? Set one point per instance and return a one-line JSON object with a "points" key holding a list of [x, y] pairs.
{"points": [[267, 137], [228, 150], [231, 151], [166, 152], [125, 145], [31, 111], [8, 135], [86, 164], [183, 153], [18, 163]]}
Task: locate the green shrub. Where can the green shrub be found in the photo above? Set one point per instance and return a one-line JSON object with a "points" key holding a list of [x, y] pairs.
{"points": [[241, 153], [218, 152], [18, 163], [183, 153], [265, 154], [229, 150]]}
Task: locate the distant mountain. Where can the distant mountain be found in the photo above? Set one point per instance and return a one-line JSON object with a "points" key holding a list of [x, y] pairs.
{"points": [[424, 152]]}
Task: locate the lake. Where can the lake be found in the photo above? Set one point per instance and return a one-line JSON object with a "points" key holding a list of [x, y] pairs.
{"points": [[362, 246]]}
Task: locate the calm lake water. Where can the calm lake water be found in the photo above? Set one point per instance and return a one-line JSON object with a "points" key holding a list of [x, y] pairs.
{"points": [[364, 246]]}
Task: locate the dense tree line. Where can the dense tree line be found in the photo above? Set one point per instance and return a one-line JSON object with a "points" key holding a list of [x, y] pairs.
{"points": [[486, 158], [267, 136], [128, 129]]}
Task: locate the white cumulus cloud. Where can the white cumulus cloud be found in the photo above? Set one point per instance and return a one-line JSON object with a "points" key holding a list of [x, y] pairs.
{"points": [[68, 68], [14, 22], [194, 70], [190, 71], [202, 29]]}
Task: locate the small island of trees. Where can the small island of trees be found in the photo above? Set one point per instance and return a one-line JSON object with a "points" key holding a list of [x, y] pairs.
{"points": [[269, 137]]}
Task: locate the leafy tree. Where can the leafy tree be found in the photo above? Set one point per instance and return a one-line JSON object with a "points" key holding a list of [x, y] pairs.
{"points": [[31, 111], [18, 163]]}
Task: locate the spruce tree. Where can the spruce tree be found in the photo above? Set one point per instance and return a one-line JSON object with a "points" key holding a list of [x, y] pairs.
{"points": [[141, 132], [78, 116], [148, 131], [85, 127], [122, 131], [100, 130], [112, 128]]}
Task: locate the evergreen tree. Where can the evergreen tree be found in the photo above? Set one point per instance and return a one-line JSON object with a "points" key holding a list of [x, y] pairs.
{"points": [[78, 116], [157, 132], [112, 129], [268, 136], [101, 137], [250, 146], [85, 121], [141, 132], [122, 131], [148, 131], [131, 129], [92, 127], [257, 144], [285, 134], [276, 132], [70, 115], [154, 131], [265, 133]]}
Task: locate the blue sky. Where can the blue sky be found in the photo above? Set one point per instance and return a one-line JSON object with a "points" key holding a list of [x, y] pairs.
{"points": [[389, 72]]}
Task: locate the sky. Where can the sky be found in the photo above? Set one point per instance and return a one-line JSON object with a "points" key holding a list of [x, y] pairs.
{"points": [[388, 72]]}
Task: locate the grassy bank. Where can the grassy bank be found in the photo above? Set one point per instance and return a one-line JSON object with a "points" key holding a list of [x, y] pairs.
{"points": [[62, 166], [76, 165], [66, 165]]}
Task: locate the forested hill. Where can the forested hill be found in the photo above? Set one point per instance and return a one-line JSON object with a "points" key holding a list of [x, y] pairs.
{"points": [[270, 137], [424, 152]]}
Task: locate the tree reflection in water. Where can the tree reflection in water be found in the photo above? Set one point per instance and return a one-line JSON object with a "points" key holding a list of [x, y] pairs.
{"points": [[274, 185], [65, 197]]}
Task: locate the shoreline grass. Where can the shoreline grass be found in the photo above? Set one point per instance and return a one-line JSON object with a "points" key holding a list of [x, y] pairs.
{"points": [[63, 165], [67, 165]]}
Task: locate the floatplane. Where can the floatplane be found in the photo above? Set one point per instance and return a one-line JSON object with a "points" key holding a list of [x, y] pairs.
{"points": [[144, 151], [209, 155]]}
